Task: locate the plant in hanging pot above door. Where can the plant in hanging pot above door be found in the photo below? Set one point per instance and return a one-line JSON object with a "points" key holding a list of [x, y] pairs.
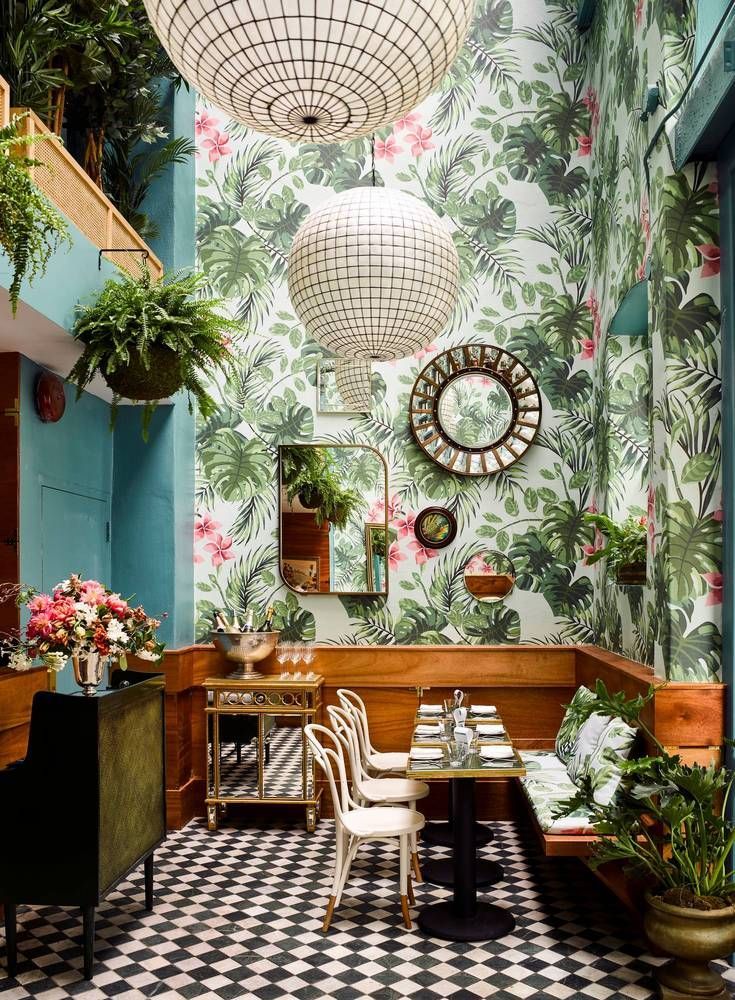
{"points": [[669, 823], [149, 339], [85, 622], [626, 547]]}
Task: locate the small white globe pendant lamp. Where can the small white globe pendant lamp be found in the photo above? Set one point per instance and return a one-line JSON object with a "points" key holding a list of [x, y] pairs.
{"points": [[373, 273], [354, 379], [312, 70]]}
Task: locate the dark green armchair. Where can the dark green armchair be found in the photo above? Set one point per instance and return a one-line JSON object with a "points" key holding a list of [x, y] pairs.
{"points": [[87, 805]]}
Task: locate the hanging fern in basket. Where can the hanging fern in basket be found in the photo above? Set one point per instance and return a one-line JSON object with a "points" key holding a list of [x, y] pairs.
{"points": [[149, 339], [31, 230]]}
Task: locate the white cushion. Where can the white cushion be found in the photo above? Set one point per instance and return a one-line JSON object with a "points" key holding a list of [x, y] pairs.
{"points": [[566, 738], [602, 740]]}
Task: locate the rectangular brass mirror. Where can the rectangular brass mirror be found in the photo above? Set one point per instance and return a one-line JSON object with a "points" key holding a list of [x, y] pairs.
{"points": [[334, 536]]}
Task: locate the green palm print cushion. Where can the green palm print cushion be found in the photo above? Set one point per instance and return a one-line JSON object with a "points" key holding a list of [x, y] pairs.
{"points": [[574, 717], [602, 743]]}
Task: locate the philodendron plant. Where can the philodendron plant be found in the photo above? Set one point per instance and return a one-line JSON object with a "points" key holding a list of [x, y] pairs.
{"points": [[626, 542], [669, 821]]}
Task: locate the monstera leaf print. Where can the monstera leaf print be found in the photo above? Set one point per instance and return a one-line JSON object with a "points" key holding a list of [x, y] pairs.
{"points": [[694, 655], [295, 624], [237, 467], [420, 625], [690, 219], [235, 264], [561, 121], [693, 549]]}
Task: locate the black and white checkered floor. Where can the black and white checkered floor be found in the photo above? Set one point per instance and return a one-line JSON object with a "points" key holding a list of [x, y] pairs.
{"points": [[238, 915]]}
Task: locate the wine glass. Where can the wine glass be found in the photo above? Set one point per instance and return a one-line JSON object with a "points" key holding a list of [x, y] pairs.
{"points": [[307, 653], [283, 655]]}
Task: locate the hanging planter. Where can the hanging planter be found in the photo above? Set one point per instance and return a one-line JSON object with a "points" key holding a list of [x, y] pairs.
{"points": [[626, 548], [309, 474], [150, 339]]}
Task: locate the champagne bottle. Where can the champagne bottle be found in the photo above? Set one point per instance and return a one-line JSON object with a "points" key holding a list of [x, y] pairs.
{"points": [[236, 624], [268, 623], [219, 624], [247, 624]]}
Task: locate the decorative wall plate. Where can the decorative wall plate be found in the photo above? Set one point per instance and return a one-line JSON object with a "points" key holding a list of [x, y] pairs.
{"points": [[435, 527], [475, 410]]}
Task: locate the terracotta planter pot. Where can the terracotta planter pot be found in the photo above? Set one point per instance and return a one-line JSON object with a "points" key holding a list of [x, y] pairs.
{"points": [[162, 379], [632, 575], [694, 938]]}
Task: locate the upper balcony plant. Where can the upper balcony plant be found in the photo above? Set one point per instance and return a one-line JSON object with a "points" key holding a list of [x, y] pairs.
{"points": [[149, 339], [626, 547], [31, 229]]}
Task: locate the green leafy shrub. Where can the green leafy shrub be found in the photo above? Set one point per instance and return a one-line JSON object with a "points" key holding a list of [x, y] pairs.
{"points": [[148, 339], [626, 542], [309, 473], [31, 230]]}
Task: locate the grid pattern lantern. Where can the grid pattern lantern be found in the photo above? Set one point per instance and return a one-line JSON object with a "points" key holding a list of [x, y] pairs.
{"points": [[312, 70], [354, 378], [373, 273]]}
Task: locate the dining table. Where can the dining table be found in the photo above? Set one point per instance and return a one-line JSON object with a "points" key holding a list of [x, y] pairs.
{"points": [[464, 917]]}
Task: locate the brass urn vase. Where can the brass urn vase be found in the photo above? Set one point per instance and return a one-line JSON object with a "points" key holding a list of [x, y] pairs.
{"points": [[693, 938]]}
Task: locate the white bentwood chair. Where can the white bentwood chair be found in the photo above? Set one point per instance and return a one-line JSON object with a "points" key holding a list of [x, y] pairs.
{"points": [[376, 761], [367, 790], [355, 825]]}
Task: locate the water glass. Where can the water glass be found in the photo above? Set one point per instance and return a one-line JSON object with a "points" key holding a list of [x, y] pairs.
{"points": [[308, 653], [457, 752], [282, 652]]}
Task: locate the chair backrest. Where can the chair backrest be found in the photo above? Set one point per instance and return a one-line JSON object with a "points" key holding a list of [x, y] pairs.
{"points": [[354, 704], [329, 756], [345, 728]]}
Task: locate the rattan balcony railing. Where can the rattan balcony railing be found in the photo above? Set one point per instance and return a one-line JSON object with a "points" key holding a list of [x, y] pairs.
{"points": [[75, 194]]}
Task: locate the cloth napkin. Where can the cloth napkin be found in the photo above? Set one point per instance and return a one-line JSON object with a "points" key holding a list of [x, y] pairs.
{"points": [[497, 753], [428, 730], [431, 709], [484, 710], [426, 753], [490, 729]]}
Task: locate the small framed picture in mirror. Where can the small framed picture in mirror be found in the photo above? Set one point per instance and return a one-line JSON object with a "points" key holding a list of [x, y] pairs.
{"points": [[489, 576], [435, 527]]}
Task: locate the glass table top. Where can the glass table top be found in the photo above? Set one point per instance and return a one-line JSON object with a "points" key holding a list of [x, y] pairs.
{"points": [[474, 764]]}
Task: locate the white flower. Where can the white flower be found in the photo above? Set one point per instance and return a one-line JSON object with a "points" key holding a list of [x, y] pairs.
{"points": [[86, 612], [19, 661], [116, 633], [145, 654], [55, 661]]}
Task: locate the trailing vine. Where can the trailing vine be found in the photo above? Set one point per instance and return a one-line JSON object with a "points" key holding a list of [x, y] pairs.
{"points": [[31, 229]]}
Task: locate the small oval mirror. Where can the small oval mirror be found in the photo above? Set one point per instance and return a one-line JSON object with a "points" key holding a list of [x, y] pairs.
{"points": [[489, 576]]}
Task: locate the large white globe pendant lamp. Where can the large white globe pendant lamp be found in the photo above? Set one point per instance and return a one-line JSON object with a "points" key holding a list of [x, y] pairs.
{"points": [[373, 273], [312, 70]]}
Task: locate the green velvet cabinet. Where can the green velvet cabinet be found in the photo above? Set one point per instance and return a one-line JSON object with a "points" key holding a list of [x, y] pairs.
{"points": [[87, 805]]}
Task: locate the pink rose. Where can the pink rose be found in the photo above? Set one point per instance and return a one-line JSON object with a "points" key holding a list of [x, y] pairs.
{"points": [[117, 605], [42, 602], [92, 593]]}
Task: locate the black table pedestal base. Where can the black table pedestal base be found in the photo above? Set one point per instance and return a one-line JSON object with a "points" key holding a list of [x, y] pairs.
{"points": [[440, 871], [488, 922], [442, 834]]}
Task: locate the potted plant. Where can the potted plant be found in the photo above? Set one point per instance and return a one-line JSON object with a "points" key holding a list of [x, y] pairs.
{"points": [[86, 622], [309, 474], [669, 823], [149, 339], [626, 547], [31, 229]]}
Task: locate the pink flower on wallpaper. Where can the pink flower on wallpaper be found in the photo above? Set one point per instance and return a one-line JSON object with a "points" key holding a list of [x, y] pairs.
{"points": [[205, 124], [589, 550], [593, 508], [205, 527], [640, 271], [198, 558], [593, 303], [587, 349], [395, 508], [592, 103], [711, 255], [220, 549], [714, 188], [395, 556], [387, 149], [425, 351], [714, 582], [420, 140], [405, 524], [645, 218], [584, 145], [218, 146], [639, 12], [717, 515], [408, 121], [420, 554]]}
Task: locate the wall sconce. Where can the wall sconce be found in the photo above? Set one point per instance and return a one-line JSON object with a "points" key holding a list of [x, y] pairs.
{"points": [[631, 318]]}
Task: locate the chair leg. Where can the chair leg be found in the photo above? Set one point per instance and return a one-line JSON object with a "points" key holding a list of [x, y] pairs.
{"points": [[415, 854], [88, 925], [148, 870], [338, 861], [409, 886], [11, 945], [404, 880]]}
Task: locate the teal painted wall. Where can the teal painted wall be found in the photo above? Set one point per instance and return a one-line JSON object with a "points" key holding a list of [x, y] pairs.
{"points": [[709, 13]]}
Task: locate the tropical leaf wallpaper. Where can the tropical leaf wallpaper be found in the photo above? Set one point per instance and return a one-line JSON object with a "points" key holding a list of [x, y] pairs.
{"points": [[656, 399], [531, 154]]}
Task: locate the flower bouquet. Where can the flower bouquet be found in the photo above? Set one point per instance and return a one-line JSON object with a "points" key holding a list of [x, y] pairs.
{"points": [[85, 621]]}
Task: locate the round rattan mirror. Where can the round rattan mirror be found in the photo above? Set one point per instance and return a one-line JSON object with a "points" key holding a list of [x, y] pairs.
{"points": [[475, 410]]}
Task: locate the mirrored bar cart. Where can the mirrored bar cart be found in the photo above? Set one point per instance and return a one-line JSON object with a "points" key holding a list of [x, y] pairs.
{"points": [[256, 748]]}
